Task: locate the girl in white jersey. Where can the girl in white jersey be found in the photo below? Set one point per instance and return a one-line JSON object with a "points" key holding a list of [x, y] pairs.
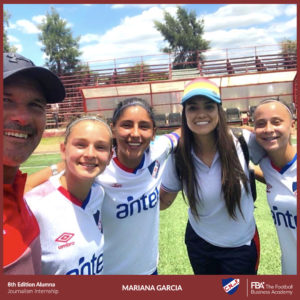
{"points": [[273, 125], [132, 180], [68, 205], [210, 168]]}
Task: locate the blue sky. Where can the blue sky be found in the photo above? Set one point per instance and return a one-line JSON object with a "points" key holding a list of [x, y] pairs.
{"points": [[116, 30]]}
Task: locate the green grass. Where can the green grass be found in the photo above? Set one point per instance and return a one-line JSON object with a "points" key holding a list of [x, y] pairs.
{"points": [[51, 140], [37, 162], [173, 256], [270, 251]]}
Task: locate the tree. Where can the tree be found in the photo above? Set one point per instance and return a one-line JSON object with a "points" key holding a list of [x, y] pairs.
{"points": [[6, 46], [288, 46], [289, 53], [184, 35], [61, 49]]}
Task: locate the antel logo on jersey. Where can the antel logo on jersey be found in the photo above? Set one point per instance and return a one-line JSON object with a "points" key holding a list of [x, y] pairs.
{"points": [[230, 285], [65, 238], [136, 206]]}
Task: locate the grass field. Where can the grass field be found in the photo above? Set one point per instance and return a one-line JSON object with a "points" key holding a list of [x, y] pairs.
{"points": [[173, 256]]}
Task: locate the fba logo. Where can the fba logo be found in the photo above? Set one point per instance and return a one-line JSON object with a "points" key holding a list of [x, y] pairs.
{"points": [[230, 285], [257, 285]]}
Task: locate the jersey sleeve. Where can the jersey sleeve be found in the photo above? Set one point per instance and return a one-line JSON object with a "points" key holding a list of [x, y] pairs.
{"points": [[170, 180], [174, 139], [256, 152], [164, 145]]}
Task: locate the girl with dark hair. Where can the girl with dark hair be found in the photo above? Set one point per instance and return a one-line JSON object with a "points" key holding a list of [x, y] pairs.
{"points": [[130, 215], [210, 169]]}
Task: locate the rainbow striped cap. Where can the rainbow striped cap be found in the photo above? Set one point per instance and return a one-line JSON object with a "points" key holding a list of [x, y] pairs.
{"points": [[201, 87]]}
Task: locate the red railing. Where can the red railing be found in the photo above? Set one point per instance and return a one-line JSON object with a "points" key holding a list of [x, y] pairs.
{"points": [[160, 67]]}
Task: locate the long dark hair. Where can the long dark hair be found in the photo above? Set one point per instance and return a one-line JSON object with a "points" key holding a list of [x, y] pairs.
{"points": [[231, 170]]}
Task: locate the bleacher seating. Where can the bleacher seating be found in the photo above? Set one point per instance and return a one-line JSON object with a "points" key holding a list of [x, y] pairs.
{"points": [[174, 119], [251, 113], [160, 120], [234, 116]]}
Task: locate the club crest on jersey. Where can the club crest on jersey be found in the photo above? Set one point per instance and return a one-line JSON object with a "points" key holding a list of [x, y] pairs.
{"points": [[268, 188], [65, 238], [230, 285], [154, 168]]}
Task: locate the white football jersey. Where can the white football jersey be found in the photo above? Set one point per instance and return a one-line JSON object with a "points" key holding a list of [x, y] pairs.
{"points": [[281, 186], [71, 237], [130, 214]]}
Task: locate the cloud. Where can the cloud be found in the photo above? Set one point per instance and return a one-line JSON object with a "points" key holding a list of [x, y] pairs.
{"points": [[19, 48], [141, 6], [39, 19], [284, 29], [245, 26], [26, 26], [12, 39], [144, 6], [31, 27], [88, 38], [40, 44], [291, 10], [238, 38], [240, 15], [133, 36]]}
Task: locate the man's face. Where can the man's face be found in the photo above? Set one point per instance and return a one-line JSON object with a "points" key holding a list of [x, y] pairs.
{"points": [[24, 118]]}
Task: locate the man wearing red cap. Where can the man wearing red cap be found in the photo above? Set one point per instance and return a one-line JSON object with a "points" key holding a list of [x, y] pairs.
{"points": [[26, 91]]}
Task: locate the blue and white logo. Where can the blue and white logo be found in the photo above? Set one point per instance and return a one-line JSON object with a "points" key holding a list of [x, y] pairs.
{"points": [[230, 285]]}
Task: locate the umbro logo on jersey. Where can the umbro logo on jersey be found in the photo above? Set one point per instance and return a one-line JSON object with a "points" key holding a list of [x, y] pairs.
{"points": [[65, 238]]}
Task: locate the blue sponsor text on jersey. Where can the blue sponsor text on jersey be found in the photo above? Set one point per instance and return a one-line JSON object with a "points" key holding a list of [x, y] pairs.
{"points": [[283, 219], [93, 267], [125, 210]]}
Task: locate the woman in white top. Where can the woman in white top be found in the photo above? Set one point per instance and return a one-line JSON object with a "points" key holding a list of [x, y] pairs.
{"points": [[210, 168], [273, 125], [68, 205]]}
